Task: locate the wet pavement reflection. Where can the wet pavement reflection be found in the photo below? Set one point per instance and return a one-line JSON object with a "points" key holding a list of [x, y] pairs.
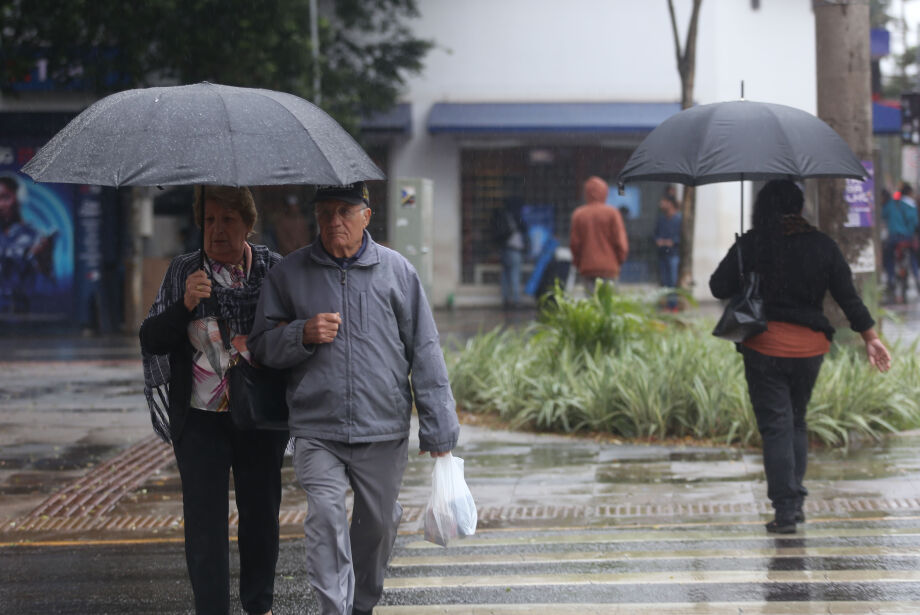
{"points": [[565, 522]]}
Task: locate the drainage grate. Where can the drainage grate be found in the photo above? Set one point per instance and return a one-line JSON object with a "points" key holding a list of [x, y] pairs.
{"points": [[413, 515]]}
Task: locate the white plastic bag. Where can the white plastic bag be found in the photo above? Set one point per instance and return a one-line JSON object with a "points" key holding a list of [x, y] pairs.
{"points": [[451, 511]]}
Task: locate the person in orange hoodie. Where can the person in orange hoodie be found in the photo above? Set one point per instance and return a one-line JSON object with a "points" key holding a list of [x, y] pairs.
{"points": [[598, 236]]}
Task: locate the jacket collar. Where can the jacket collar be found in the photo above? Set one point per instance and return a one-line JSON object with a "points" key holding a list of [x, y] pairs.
{"points": [[369, 258]]}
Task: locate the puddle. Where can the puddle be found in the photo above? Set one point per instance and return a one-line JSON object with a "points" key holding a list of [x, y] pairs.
{"points": [[680, 473], [43, 456]]}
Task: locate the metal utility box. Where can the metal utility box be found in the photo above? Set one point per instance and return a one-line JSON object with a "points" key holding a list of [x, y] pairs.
{"points": [[410, 224]]}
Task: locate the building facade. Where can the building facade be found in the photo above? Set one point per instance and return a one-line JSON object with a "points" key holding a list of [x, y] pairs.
{"points": [[530, 98]]}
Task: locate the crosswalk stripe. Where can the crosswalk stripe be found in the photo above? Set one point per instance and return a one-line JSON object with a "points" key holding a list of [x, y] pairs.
{"points": [[682, 608], [626, 536], [659, 578], [453, 559]]}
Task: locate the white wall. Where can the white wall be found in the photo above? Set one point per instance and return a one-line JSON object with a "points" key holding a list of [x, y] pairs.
{"points": [[597, 50], [773, 51]]}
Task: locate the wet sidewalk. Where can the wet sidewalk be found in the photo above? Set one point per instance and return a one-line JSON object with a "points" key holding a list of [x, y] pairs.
{"points": [[78, 459]]}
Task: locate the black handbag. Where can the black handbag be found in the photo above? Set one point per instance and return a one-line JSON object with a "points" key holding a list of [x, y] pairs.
{"points": [[744, 314], [257, 395]]}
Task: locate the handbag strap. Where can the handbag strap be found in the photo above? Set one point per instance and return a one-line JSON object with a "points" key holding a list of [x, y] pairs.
{"points": [[740, 262], [224, 329]]}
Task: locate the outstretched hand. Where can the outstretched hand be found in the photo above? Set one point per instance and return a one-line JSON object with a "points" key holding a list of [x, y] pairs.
{"points": [[878, 355]]}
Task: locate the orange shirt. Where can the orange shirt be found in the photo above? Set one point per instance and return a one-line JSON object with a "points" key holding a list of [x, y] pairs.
{"points": [[784, 339]]}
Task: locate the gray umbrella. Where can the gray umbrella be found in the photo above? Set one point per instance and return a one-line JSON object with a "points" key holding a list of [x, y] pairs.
{"points": [[202, 134], [740, 140]]}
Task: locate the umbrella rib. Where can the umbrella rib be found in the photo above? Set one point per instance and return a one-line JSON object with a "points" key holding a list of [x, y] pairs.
{"points": [[786, 145], [229, 127], [305, 129], [125, 174]]}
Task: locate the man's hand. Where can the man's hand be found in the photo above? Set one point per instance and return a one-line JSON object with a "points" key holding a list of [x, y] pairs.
{"points": [[322, 328], [43, 252], [434, 454], [197, 287]]}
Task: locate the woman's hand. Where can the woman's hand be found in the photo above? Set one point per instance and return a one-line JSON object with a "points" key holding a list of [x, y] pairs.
{"points": [[197, 287], [434, 454], [876, 352], [878, 355]]}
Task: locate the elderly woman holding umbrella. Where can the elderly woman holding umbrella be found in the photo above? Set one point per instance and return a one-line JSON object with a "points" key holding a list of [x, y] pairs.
{"points": [[196, 328], [798, 265]]}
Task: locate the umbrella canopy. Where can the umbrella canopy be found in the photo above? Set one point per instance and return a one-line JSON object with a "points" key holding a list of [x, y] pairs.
{"points": [[202, 134], [740, 140]]}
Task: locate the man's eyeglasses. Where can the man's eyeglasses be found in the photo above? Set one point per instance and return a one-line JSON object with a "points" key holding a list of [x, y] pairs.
{"points": [[345, 212]]}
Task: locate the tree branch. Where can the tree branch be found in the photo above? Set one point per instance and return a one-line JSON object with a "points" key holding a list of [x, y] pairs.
{"points": [[676, 37]]}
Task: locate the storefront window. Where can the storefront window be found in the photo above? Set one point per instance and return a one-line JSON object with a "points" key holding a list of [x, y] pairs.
{"points": [[549, 180]]}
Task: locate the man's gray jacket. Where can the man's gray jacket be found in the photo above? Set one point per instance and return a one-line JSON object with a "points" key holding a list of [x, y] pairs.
{"points": [[357, 388]]}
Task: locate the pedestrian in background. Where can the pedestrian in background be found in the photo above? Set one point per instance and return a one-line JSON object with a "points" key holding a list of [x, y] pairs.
{"points": [[185, 365], [509, 233], [349, 318], [597, 237], [798, 264], [901, 220], [667, 238]]}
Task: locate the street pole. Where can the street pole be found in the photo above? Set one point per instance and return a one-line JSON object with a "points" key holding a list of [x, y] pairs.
{"points": [[314, 46], [844, 79]]}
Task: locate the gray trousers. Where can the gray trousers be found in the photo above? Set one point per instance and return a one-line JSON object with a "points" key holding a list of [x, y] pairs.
{"points": [[345, 564]]}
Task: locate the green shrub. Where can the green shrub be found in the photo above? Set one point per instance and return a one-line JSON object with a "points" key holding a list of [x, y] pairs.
{"points": [[611, 364]]}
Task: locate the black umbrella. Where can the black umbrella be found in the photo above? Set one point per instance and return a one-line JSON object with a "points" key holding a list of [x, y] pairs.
{"points": [[202, 134], [737, 141], [740, 140]]}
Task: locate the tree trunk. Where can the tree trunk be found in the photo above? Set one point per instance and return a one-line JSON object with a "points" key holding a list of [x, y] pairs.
{"points": [[686, 68], [844, 79]]}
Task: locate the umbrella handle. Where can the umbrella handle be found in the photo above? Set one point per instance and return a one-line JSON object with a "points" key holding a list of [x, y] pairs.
{"points": [[201, 221]]}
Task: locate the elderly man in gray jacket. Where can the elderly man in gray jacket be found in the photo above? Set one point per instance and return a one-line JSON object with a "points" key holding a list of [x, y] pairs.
{"points": [[350, 320]]}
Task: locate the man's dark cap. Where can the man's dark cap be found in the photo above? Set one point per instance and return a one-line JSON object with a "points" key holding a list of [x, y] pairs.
{"points": [[355, 194]]}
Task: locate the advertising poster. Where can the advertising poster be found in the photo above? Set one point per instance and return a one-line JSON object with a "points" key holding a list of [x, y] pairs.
{"points": [[627, 203], [860, 198], [36, 241], [539, 222]]}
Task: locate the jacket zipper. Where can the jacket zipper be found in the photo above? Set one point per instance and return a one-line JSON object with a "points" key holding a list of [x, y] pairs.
{"points": [[345, 329]]}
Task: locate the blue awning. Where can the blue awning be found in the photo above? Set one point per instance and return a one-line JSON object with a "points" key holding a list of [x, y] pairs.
{"points": [[885, 120], [396, 121], [610, 117]]}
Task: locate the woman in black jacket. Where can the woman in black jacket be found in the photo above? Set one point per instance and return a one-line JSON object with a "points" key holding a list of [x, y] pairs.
{"points": [[798, 265], [196, 329]]}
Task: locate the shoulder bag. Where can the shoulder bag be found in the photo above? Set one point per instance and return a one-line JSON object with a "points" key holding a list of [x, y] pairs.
{"points": [[744, 314], [257, 395]]}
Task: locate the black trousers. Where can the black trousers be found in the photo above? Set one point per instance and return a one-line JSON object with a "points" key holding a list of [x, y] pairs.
{"points": [[206, 451], [780, 389]]}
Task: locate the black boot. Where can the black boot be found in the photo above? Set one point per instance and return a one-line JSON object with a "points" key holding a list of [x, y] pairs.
{"points": [[778, 526]]}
